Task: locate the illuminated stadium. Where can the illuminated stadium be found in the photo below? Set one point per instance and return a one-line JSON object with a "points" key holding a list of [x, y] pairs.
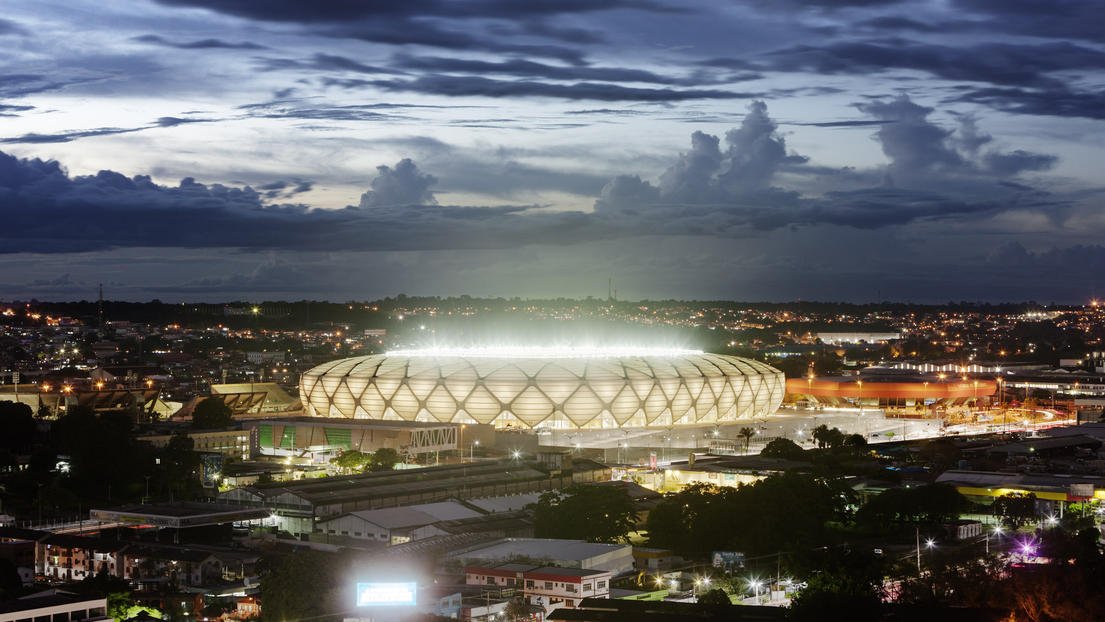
{"points": [[558, 388]]}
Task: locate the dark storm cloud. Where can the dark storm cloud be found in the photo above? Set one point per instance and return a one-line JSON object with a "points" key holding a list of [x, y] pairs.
{"points": [[850, 123], [64, 137], [707, 191], [8, 27], [12, 110], [15, 85], [322, 62], [993, 63], [534, 70], [419, 22], [342, 10], [435, 84], [284, 190], [1055, 102], [1069, 19], [200, 44]]}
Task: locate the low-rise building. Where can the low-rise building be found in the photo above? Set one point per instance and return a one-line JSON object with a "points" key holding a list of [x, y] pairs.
{"points": [[549, 587], [615, 558]]}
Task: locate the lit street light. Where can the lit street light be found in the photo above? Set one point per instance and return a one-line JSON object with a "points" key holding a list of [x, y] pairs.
{"points": [[995, 532], [472, 448], [755, 584]]}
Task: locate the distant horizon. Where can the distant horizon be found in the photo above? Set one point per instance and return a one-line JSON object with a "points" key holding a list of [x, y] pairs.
{"points": [[549, 299]]}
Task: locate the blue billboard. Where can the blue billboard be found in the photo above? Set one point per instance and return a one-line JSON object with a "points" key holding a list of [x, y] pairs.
{"points": [[387, 594]]}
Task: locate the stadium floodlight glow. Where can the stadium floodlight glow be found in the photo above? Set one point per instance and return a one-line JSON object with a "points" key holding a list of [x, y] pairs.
{"points": [[544, 352]]}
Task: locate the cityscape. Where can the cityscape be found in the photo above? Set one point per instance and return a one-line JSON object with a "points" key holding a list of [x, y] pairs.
{"points": [[552, 311]]}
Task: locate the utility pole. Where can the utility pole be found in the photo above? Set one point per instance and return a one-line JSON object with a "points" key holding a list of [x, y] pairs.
{"points": [[100, 310]]}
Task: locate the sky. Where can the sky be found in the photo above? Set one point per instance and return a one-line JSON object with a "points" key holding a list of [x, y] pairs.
{"points": [[852, 150]]}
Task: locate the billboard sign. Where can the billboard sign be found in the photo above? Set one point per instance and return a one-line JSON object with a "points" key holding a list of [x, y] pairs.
{"points": [[387, 594], [728, 559]]}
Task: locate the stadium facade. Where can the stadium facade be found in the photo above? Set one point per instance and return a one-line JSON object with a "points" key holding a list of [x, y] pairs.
{"points": [[546, 388]]}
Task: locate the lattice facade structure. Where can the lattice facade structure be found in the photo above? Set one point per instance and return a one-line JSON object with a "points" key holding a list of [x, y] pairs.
{"points": [[534, 392]]}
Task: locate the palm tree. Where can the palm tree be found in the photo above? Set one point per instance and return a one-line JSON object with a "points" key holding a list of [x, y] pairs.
{"points": [[746, 433]]}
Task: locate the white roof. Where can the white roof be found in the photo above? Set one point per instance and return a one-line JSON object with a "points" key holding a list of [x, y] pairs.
{"points": [[413, 515], [538, 548], [505, 503]]}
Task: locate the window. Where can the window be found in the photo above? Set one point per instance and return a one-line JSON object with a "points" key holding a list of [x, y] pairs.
{"points": [[491, 580], [548, 585], [529, 583], [601, 585], [570, 587], [586, 587]]}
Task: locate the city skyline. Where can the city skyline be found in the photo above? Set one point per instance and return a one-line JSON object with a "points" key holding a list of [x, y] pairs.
{"points": [[848, 150]]}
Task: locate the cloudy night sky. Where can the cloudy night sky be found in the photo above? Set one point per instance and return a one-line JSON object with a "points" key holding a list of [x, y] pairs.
{"points": [[822, 150]]}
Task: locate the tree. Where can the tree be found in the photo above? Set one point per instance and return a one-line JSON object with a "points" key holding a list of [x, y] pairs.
{"points": [[596, 513], [301, 585], [1015, 509], [716, 596], [212, 414], [856, 442], [746, 433], [783, 448], [828, 437], [383, 459], [842, 581], [351, 461], [18, 422]]}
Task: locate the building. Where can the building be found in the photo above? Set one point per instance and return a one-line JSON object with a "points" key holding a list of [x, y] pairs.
{"points": [[545, 388], [54, 606], [297, 506], [891, 391], [616, 558], [844, 337], [549, 587], [74, 558], [230, 443], [396, 525], [322, 439]]}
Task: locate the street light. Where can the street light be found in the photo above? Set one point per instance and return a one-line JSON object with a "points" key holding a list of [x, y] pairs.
{"points": [[472, 447], [995, 532], [755, 584]]}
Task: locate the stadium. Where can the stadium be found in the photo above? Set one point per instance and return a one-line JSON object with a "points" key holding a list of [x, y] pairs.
{"points": [[546, 388]]}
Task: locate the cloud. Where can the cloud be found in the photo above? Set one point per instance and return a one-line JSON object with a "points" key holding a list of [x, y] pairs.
{"points": [[1056, 102], [340, 10], [1019, 64], [200, 44], [71, 135], [8, 27], [534, 70], [402, 185], [10, 110], [717, 189], [323, 62], [436, 84]]}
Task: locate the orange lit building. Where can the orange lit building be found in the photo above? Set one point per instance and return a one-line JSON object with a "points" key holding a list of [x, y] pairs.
{"points": [[891, 391]]}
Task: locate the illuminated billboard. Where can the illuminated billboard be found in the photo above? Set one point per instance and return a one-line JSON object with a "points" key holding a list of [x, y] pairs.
{"points": [[387, 594]]}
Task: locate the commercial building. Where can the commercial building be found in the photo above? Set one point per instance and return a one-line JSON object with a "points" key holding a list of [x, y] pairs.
{"points": [[891, 391], [545, 388]]}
